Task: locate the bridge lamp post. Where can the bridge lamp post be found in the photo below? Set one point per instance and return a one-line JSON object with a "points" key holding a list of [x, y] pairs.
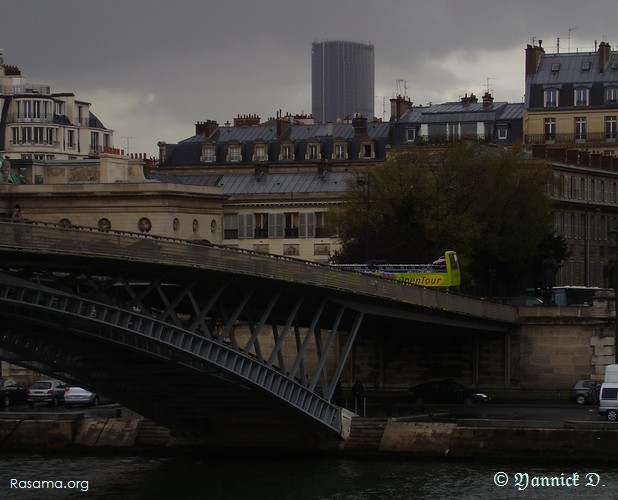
{"points": [[614, 234]]}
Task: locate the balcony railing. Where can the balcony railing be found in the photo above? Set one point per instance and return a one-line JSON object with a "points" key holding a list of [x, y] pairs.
{"points": [[25, 89], [590, 137], [50, 144], [31, 118]]}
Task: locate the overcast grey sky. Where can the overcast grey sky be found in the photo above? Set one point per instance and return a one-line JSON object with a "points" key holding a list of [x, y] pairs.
{"points": [[152, 68]]}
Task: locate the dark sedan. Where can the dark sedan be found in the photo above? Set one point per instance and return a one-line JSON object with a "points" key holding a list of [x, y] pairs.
{"points": [[445, 391], [11, 392]]}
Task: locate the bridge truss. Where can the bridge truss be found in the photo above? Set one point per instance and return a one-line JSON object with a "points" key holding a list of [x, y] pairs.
{"points": [[185, 333]]}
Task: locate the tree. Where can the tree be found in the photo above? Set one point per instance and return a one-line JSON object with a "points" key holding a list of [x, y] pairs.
{"points": [[487, 203]]}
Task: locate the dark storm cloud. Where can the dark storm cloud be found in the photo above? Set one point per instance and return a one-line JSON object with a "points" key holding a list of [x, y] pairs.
{"points": [[153, 68]]}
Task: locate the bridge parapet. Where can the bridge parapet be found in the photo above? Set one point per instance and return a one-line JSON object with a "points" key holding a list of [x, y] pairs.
{"points": [[54, 239]]}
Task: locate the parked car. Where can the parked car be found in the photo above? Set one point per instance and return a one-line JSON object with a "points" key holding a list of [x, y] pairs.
{"points": [[46, 391], [80, 396], [445, 391], [585, 392], [11, 392]]}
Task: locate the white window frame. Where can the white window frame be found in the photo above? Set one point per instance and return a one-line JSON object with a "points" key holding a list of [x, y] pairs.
{"points": [[549, 128], [581, 128], [410, 134], [610, 128]]}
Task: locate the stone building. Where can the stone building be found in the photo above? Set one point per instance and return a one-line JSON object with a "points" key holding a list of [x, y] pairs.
{"points": [[37, 124]]}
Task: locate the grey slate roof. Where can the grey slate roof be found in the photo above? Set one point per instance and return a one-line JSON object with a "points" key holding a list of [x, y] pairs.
{"points": [[459, 112], [571, 71], [267, 183]]}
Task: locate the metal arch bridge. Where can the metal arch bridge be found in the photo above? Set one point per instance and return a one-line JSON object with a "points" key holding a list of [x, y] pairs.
{"points": [[185, 333]]}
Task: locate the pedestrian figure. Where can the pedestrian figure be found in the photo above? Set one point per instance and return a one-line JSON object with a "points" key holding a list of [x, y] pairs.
{"points": [[358, 390], [338, 394], [17, 214], [550, 269]]}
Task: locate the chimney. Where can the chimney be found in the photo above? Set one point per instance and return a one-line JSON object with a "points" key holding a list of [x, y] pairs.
{"points": [[282, 124], [359, 123], [487, 100], [467, 100], [533, 56], [604, 52], [207, 128], [399, 105], [246, 120]]}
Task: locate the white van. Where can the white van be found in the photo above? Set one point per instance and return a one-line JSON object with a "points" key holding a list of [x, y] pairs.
{"points": [[608, 400]]}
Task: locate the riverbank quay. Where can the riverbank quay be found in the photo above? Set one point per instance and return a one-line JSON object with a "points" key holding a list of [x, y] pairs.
{"points": [[432, 435]]}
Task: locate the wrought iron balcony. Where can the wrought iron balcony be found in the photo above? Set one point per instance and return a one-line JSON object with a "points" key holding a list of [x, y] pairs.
{"points": [[572, 138]]}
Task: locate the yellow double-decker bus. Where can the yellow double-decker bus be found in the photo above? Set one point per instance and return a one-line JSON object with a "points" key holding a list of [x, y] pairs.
{"points": [[443, 272]]}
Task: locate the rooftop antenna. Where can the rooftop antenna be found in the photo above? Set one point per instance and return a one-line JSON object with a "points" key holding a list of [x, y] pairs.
{"points": [[487, 84], [128, 138], [402, 88], [569, 45], [383, 106]]}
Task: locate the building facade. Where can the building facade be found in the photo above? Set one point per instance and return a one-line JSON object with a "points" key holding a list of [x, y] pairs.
{"points": [[40, 125], [570, 117], [342, 80], [280, 178], [571, 99]]}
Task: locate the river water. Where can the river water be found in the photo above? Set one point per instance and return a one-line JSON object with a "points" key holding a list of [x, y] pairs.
{"points": [[212, 477]]}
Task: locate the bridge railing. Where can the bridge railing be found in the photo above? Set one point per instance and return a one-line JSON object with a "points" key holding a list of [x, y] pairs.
{"points": [[75, 240]]}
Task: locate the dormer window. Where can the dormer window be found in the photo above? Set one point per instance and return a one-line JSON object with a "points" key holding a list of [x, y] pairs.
{"points": [[551, 98], [233, 152], [208, 152], [286, 152], [313, 151], [366, 151], [586, 66], [555, 67], [581, 97], [260, 151], [340, 150], [611, 95]]}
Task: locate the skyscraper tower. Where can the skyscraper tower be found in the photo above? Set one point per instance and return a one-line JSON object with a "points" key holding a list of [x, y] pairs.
{"points": [[342, 80]]}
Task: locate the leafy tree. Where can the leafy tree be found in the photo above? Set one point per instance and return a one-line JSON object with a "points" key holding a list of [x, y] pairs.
{"points": [[487, 203]]}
